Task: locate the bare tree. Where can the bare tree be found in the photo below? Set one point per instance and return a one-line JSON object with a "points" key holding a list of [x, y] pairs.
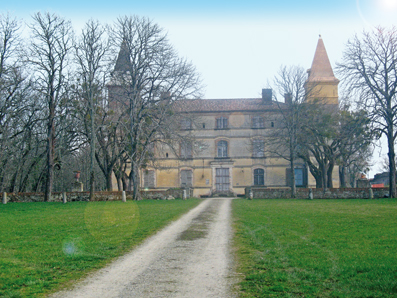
{"points": [[355, 139], [369, 69], [91, 54], [149, 77], [48, 52], [283, 140]]}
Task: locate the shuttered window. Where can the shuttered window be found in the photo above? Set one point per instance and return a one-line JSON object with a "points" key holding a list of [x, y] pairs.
{"points": [[258, 148], [186, 150], [300, 177], [186, 178], [148, 179]]}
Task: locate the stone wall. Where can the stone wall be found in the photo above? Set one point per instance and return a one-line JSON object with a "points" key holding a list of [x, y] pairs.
{"points": [[318, 193], [98, 196]]}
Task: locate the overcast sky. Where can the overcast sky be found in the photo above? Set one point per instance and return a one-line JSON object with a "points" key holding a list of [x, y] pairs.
{"points": [[237, 46]]}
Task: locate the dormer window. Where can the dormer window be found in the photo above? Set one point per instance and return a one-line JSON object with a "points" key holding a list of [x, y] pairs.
{"points": [[221, 123]]}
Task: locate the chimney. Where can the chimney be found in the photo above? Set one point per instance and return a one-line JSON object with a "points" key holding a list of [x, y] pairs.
{"points": [[267, 96], [288, 98]]}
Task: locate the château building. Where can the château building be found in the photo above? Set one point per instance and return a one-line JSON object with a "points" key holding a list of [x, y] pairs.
{"points": [[231, 134]]}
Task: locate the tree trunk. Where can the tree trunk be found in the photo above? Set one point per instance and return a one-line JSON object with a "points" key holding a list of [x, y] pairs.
{"points": [[293, 184], [109, 185], [50, 152], [330, 183], [342, 176], [392, 164], [92, 153], [135, 182], [324, 176]]}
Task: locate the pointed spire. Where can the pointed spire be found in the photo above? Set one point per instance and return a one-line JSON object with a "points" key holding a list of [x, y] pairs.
{"points": [[321, 69], [123, 60]]}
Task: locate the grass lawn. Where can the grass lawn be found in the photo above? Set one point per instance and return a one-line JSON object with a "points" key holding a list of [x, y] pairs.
{"points": [[46, 246], [319, 248]]}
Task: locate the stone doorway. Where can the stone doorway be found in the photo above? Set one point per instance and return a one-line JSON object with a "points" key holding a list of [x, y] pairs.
{"points": [[222, 180]]}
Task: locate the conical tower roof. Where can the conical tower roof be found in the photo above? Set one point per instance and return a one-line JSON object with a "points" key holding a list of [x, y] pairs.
{"points": [[123, 62], [321, 70]]}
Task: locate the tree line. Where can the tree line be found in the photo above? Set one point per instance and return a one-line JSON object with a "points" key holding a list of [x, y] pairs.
{"points": [[55, 114]]}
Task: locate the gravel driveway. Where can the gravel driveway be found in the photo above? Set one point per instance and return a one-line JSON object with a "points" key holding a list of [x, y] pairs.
{"points": [[189, 258]]}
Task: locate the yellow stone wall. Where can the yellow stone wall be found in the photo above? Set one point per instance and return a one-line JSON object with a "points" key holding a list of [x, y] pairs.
{"points": [[326, 92], [241, 164]]}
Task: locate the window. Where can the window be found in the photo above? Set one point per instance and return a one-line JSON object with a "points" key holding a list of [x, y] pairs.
{"points": [[221, 123], [186, 178], [259, 177], [299, 177], [258, 148], [222, 149], [186, 150], [258, 122], [148, 179], [272, 124], [186, 124]]}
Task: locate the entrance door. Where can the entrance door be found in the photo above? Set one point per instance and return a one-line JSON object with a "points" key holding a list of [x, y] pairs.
{"points": [[222, 180]]}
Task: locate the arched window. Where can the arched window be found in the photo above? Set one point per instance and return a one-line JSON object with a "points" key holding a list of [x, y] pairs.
{"points": [[259, 177], [222, 149]]}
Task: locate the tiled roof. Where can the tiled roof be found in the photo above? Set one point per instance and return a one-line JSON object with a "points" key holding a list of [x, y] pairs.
{"points": [[321, 69], [225, 105]]}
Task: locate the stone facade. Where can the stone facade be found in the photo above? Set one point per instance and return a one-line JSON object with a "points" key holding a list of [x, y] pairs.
{"points": [[230, 135]]}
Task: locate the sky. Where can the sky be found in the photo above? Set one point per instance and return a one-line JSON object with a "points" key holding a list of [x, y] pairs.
{"points": [[237, 45]]}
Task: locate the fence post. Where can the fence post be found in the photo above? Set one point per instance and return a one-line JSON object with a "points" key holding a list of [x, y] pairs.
{"points": [[64, 199], [371, 194], [123, 196], [4, 197]]}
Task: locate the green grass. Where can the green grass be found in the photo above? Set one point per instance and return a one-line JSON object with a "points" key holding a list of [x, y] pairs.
{"points": [[47, 246], [319, 248]]}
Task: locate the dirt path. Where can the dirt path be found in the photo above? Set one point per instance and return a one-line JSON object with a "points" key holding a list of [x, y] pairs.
{"points": [[189, 258]]}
